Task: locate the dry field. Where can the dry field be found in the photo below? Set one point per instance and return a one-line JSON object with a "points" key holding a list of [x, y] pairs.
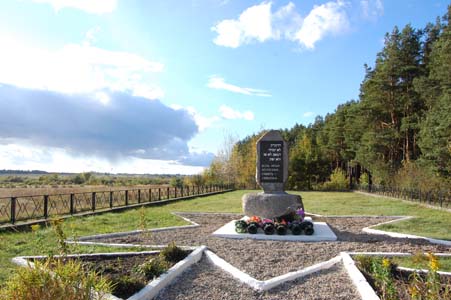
{"points": [[54, 190]]}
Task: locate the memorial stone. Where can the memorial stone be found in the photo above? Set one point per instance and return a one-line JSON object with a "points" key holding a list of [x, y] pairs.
{"points": [[271, 175]]}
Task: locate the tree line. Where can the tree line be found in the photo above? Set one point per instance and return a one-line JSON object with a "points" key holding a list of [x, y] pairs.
{"points": [[398, 132]]}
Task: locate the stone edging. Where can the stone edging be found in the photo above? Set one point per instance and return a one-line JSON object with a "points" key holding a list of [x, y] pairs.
{"points": [[363, 287], [135, 232], [153, 287], [263, 285]]}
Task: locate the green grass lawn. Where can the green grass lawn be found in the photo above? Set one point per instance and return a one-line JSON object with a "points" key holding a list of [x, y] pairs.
{"points": [[429, 222]]}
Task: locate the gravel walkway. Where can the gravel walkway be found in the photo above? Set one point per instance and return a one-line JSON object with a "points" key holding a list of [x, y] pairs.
{"points": [[205, 281], [267, 259]]}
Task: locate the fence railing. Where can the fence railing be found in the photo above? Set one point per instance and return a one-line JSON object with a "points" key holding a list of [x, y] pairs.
{"points": [[439, 198], [39, 207]]}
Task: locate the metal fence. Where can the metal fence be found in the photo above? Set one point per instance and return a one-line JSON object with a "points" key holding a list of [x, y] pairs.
{"points": [[439, 198], [27, 208]]}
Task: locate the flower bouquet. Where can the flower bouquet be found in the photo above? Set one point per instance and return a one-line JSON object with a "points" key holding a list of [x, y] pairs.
{"points": [[300, 214], [281, 227], [307, 227], [295, 227], [268, 226], [253, 224], [241, 226]]}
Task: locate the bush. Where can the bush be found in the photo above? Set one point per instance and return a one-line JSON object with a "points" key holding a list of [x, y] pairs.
{"points": [[57, 281], [338, 182], [364, 180], [160, 264], [173, 254], [124, 284], [154, 267]]}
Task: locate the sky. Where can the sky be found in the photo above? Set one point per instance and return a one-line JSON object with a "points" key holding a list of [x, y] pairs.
{"points": [[158, 87]]}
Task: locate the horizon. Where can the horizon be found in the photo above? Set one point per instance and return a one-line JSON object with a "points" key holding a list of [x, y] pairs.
{"points": [[140, 87]]}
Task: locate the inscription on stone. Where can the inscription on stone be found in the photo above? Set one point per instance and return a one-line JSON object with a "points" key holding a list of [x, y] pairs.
{"points": [[271, 161]]}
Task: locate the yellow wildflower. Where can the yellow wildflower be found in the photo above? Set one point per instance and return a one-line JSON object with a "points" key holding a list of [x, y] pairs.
{"points": [[433, 263], [35, 227], [386, 263], [413, 291]]}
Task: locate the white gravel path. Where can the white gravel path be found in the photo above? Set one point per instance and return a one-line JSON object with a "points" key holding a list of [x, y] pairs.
{"points": [[266, 259]]}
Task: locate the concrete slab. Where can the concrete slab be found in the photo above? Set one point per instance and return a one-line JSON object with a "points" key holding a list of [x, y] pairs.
{"points": [[322, 233]]}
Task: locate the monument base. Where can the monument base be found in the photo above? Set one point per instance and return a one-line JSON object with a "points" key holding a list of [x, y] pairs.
{"points": [[322, 233], [270, 205]]}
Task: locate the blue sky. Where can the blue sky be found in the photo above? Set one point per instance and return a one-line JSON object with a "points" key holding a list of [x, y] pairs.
{"points": [[155, 86]]}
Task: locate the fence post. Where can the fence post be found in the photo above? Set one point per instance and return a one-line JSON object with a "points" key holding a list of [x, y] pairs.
{"points": [[71, 201], [13, 210], [111, 199], [181, 190], [167, 193], [93, 201], [175, 192], [126, 197], [139, 196], [46, 206], [159, 194], [150, 195], [187, 190]]}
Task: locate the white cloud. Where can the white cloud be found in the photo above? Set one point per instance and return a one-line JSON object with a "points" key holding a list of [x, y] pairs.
{"points": [[259, 24], [308, 114], [230, 113], [322, 20], [371, 9], [202, 121], [90, 35], [253, 24], [32, 157], [77, 68], [217, 82], [89, 6]]}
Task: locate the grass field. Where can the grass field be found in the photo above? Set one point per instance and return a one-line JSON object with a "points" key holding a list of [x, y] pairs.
{"points": [[429, 222]]}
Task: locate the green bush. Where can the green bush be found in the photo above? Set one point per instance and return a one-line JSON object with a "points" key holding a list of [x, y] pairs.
{"points": [[154, 267], [55, 280], [124, 284], [173, 254], [337, 182], [364, 180]]}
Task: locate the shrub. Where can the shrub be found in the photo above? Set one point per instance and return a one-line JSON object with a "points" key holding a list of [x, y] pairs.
{"points": [[337, 182], [125, 284], [172, 253], [364, 180], [154, 267], [57, 281], [160, 264]]}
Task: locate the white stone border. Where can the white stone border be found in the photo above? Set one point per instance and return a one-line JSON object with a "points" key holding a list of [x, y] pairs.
{"points": [[135, 232], [370, 230], [155, 286], [264, 285], [117, 245], [363, 287], [152, 288]]}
